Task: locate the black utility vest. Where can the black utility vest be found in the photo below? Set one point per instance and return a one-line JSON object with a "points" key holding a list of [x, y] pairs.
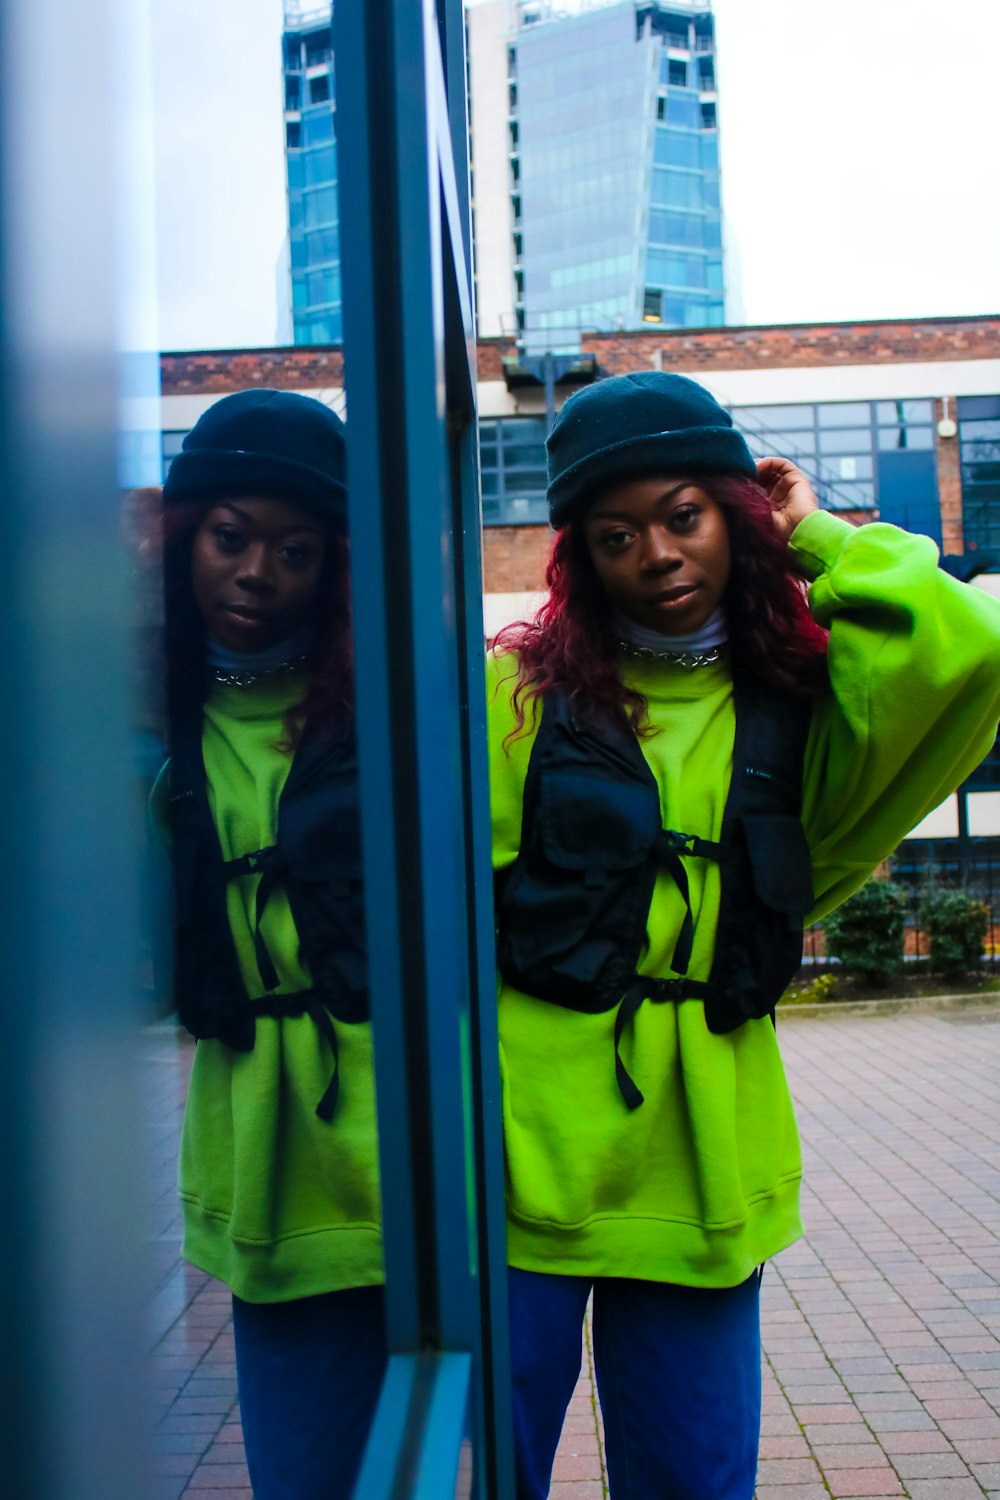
{"points": [[572, 911], [316, 859]]}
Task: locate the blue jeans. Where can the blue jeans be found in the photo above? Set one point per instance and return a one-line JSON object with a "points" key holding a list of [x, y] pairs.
{"points": [[309, 1375], [678, 1375]]}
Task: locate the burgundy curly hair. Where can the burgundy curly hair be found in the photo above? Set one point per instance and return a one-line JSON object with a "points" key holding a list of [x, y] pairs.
{"points": [[571, 643], [168, 541]]}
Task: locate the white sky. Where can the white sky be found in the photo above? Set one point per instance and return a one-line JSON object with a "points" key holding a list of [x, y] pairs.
{"points": [[859, 158]]}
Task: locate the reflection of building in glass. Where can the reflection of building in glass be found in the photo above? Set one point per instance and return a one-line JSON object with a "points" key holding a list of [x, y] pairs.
{"points": [[614, 217], [311, 155]]}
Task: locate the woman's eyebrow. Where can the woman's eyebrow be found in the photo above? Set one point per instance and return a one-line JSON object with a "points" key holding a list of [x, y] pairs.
{"points": [[249, 520], [620, 515]]}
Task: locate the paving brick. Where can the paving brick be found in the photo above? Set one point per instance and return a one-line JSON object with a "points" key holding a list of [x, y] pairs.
{"points": [[881, 1332]]}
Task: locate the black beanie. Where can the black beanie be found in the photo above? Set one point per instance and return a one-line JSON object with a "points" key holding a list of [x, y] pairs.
{"points": [[264, 442], [627, 425]]}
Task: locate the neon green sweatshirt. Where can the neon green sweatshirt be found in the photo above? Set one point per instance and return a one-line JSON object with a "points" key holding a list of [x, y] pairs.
{"points": [[277, 1203], [700, 1184]]}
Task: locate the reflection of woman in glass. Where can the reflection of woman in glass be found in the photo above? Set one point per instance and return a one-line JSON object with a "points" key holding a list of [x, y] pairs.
{"points": [[278, 1171], [689, 763]]}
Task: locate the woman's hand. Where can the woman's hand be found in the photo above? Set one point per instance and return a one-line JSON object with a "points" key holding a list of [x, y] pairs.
{"points": [[789, 491]]}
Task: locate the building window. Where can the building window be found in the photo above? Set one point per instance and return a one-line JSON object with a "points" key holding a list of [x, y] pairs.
{"points": [[652, 305], [709, 119], [677, 72], [512, 467], [319, 89], [293, 92], [979, 436], [318, 48], [293, 135], [837, 444]]}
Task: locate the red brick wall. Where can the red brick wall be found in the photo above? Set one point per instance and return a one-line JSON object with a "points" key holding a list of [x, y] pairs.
{"points": [[804, 345], [949, 478], [219, 371], [798, 346], [514, 558]]}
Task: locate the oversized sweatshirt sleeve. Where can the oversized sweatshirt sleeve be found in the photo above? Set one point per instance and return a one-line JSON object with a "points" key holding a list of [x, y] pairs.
{"points": [[914, 661], [509, 757]]}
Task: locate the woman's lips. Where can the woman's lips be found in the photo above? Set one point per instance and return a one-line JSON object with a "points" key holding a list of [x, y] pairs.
{"points": [[244, 617], [675, 596]]}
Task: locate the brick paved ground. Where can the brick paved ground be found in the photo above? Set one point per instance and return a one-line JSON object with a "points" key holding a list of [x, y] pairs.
{"points": [[881, 1329]]}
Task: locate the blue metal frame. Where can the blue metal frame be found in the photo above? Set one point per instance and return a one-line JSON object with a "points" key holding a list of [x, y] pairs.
{"points": [[71, 1409], [409, 341]]}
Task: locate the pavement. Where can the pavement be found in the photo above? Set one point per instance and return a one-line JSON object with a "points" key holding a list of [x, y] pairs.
{"points": [[881, 1329]]}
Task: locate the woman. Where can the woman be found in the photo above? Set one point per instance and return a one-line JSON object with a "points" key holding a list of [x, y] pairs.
{"points": [[688, 764], [278, 1169]]}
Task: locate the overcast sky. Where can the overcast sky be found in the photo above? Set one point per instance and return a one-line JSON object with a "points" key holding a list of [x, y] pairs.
{"points": [[859, 159]]}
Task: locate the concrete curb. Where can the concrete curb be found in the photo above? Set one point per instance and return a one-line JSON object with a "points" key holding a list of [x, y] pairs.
{"points": [[911, 1004]]}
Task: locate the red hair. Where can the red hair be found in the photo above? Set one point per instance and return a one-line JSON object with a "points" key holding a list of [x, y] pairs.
{"points": [[571, 643], [164, 536]]}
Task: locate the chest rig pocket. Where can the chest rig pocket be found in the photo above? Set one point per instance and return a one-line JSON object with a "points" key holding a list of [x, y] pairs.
{"points": [[320, 834], [588, 876]]}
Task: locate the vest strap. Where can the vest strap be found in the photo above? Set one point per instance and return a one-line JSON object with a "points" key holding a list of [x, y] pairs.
{"points": [[668, 848], [659, 991], [307, 1003], [268, 864]]}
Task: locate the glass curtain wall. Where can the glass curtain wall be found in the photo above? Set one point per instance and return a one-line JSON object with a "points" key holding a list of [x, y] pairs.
{"points": [[311, 157], [582, 91], [684, 269]]}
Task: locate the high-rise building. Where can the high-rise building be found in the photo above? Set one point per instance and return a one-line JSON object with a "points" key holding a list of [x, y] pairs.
{"points": [[595, 168], [610, 214], [311, 154]]}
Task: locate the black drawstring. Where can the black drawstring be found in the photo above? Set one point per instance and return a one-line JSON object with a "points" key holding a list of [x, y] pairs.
{"points": [[308, 1003], [268, 865], [657, 990], [670, 845]]}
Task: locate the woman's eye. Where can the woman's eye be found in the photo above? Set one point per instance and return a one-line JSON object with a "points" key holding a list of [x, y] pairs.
{"points": [[228, 538], [686, 515], [296, 557], [616, 540]]}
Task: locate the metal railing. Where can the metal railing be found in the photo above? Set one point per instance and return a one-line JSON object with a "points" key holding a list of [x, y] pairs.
{"points": [[981, 881]]}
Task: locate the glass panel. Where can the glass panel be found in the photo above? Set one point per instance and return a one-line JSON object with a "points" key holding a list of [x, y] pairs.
{"points": [[905, 437], [775, 416], [844, 414], [317, 126], [981, 429], [846, 440], [676, 148], [904, 411]]}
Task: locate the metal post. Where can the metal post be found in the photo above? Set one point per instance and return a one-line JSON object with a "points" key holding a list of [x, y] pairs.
{"points": [[409, 352], [70, 1407]]}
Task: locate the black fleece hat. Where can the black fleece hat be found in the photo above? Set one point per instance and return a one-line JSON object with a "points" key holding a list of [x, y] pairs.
{"points": [[638, 424], [264, 442]]}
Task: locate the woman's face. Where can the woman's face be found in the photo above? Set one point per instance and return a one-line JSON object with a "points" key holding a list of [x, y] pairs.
{"points": [[254, 569], [661, 550]]}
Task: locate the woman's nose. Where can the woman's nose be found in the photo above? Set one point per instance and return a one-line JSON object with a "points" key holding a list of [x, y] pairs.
{"points": [[255, 570], [661, 550]]}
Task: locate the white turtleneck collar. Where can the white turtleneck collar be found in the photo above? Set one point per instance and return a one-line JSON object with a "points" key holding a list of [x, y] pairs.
{"points": [[713, 634], [222, 659]]}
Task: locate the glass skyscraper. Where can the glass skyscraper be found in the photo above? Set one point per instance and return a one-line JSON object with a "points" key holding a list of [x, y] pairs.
{"points": [[311, 155], [614, 168]]}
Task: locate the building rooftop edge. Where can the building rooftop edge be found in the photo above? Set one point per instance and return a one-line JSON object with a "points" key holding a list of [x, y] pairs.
{"points": [[491, 340]]}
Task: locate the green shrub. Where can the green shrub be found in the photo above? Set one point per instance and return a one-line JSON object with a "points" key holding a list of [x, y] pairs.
{"points": [[956, 924], [866, 933], [823, 987]]}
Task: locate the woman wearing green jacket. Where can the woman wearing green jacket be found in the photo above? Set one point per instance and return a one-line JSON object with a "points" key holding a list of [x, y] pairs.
{"points": [[278, 1167], [730, 709]]}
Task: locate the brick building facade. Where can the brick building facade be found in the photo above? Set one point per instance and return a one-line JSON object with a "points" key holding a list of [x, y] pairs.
{"points": [[943, 361]]}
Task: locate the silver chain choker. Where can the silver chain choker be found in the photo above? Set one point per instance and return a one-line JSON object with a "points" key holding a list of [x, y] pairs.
{"points": [[266, 674], [687, 659]]}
